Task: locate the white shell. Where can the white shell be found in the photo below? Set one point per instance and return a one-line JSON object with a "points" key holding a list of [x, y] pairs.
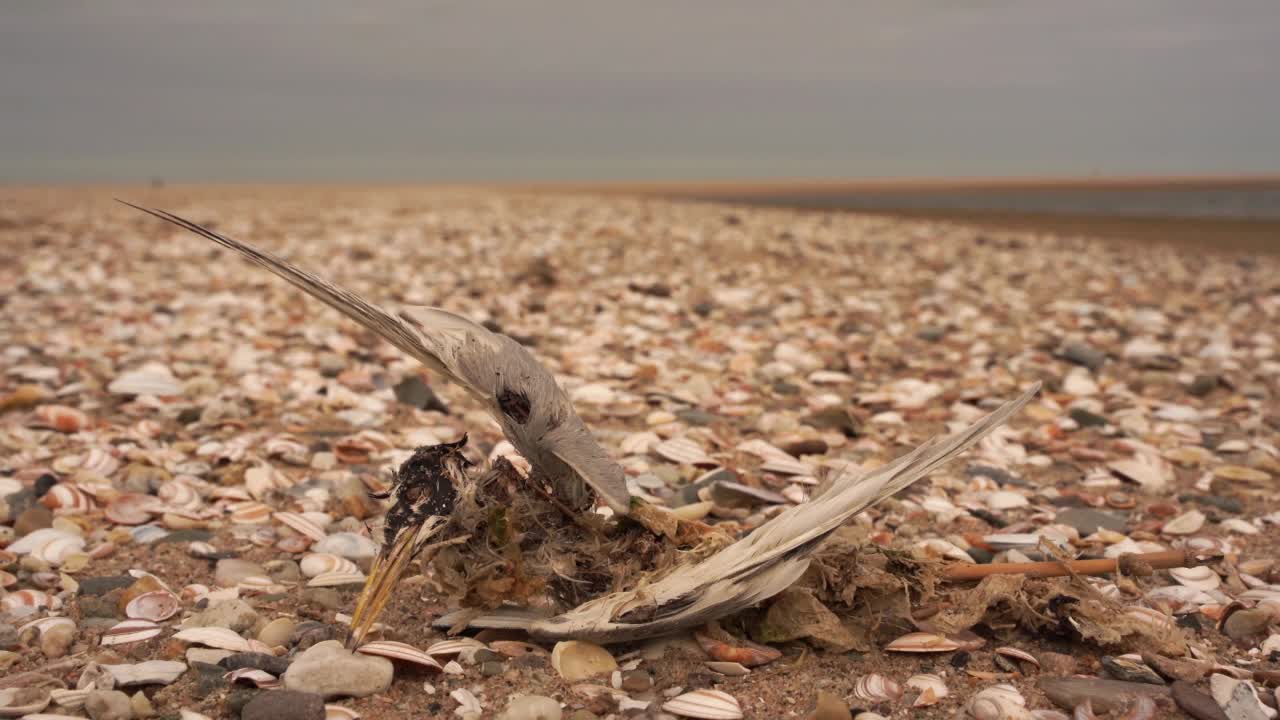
{"points": [[45, 624], [250, 513], [23, 701], [179, 494], [705, 704], [1185, 524], [254, 676], [875, 688], [338, 712], [1200, 577], [682, 451], [155, 606], [335, 579], [447, 648], [130, 631], [214, 637], [303, 525], [152, 672], [31, 599], [67, 499], [932, 689], [922, 642], [399, 651], [999, 702], [314, 564], [148, 380], [70, 699]]}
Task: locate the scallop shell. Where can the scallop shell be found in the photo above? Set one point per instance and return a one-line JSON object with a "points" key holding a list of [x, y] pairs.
{"points": [[315, 564], [399, 651], [67, 499], [922, 642], [214, 637], [999, 702], [1200, 577], [932, 689], [704, 704], [448, 648], [61, 418], [29, 599], [302, 524], [179, 494], [682, 451], [156, 606], [250, 513], [335, 579], [130, 631], [875, 689], [338, 712]]}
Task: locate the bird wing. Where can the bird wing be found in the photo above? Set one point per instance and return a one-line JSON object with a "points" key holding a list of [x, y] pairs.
{"points": [[765, 562], [483, 363]]}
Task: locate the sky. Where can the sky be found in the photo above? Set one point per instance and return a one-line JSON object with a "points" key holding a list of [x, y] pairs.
{"points": [[598, 90]]}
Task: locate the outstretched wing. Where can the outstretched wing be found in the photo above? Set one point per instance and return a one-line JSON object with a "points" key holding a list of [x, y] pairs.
{"points": [[489, 366], [765, 562]]}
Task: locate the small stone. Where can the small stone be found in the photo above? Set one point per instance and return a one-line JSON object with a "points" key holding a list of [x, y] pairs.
{"points": [[636, 681], [928, 333], [329, 670], [491, 668], [1061, 664], [284, 571], [330, 364], [36, 517], [108, 705], [1245, 624], [8, 637], [1088, 521], [142, 707], [56, 641], [234, 614], [829, 706], [1203, 384], [835, 418], [811, 446], [103, 585], [697, 417], [283, 705], [531, 707], [277, 632], [1105, 695], [415, 392], [1195, 703], [229, 572], [1172, 670], [310, 632], [1225, 504], [326, 598], [1084, 418], [1083, 354], [259, 661]]}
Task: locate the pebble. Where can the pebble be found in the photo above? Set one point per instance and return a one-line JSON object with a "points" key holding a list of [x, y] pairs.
{"points": [[1083, 354], [829, 706], [142, 707], [531, 707], [1247, 623], [1054, 663], [56, 641], [326, 598], [277, 632], [230, 571], [1087, 522], [415, 392], [1173, 670], [236, 615], [108, 705], [36, 517], [261, 661], [284, 705], [329, 670], [102, 585], [1197, 704]]}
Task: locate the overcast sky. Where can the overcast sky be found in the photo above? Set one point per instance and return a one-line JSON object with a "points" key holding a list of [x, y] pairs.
{"points": [[653, 89]]}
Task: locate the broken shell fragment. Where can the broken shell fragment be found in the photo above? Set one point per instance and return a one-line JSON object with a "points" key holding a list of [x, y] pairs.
{"points": [[1185, 524], [705, 704], [24, 701], [578, 660], [747, 654], [129, 632], [214, 637], [155, 606], [931, 687], [1200, 577]]}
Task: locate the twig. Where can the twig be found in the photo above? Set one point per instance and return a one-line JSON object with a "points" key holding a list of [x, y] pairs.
{"points": [[1105, 566]]}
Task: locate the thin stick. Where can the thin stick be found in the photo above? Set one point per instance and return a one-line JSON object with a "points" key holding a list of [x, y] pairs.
{"points": [[1105, 566]]}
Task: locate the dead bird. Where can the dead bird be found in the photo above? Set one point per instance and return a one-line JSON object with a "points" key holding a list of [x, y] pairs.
{"points": [[434, 488]]}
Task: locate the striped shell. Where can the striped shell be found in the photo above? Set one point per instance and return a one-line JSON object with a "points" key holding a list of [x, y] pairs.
{"points": [[399, 651], [155, 606], [705, 704], [875, 689], [130, 509], [67, 499], [336, 579], [315, 564], [449, 648], [214, 637], [29, 599], [61, 418], [99, 462], [682, 451], [179, 494], [250, 513], [59, 549], [259, 585], [130, 631], [302, 524], [43, 625], [70, 699]]}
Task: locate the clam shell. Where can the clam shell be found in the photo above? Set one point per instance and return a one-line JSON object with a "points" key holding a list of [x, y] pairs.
{"points": [[932, 689], [130, 509], [578, 660], [42, 625], [336, 579], [449, 648], [214, 637], [61, 418], [1200, 577], [202, 549], [130, 631], [348, 545], [399, 651], [59, 549], [999, 702], [33, 541], [338, 712], [876, 688], [732, 669], [301, 524], [683, 451], [250, 513], [253, 676], [922, 642], [704, 704], [315, 564], [29, 599], [786, 466], [1185, 524], [293, 544], [154, 606], [23, 701], [67, 499], [152, 672], [179, 494], [1016, 654], [149, 380]]}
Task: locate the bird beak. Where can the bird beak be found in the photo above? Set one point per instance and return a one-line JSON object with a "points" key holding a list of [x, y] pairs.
{"points": [[388, 567]]}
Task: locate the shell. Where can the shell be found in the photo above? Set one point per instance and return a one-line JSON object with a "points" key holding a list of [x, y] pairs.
{"points": [[202, 549], [67, 499], [301, 524], [682, 451], [338, 712], [293, 544], [214, 637], [179, 494], [732, 669], [932, 689], [61, 418], [23, 701], [43, 625], [1200, 577], [399, 651], [59, 549], [155, 606], [1185, 524], [1016, 654], [449, 648], [578, 660], [336, 579], [130, 631], [70, 699], [314, 564], [704, 704], [253, 676], [147, 534], [998, 702], [130, 509], [923, 642], [29, 599], [151, 672], [517, 648], [250, 513], [876, 688], [747, 654]]}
